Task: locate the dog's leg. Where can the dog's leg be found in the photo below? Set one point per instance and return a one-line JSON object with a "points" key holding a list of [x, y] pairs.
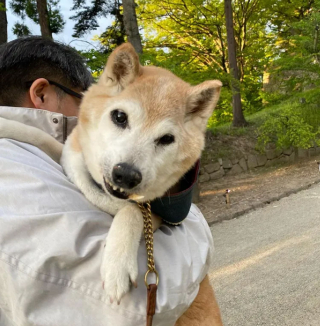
{"points": [[204, 310], [120, 263]]}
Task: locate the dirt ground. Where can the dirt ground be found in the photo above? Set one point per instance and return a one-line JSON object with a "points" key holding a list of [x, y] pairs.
{"points": [[255, 188]]}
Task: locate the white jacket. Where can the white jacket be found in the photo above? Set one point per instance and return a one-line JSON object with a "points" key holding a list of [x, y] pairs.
{"points": [[51, 243]]}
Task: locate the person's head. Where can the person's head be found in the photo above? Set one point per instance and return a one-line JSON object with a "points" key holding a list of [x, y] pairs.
{"points": [[42, 74]]}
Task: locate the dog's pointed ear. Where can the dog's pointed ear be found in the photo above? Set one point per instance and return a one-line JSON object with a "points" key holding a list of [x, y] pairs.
{"points": [[122, 68], [201, 101]]}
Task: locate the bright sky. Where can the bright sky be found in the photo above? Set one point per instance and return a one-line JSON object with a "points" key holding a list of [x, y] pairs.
{"points": [[66, 35]]}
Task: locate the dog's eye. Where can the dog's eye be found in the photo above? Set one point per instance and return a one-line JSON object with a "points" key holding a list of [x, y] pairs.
{"points": [[165, 140], [119, 118]]}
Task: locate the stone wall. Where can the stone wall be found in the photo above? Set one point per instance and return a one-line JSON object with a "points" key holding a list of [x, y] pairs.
{"points": [[222, 167], [278, 82]]}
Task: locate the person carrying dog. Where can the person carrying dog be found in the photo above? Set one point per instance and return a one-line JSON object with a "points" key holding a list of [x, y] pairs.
{"points": [[51, 237]]}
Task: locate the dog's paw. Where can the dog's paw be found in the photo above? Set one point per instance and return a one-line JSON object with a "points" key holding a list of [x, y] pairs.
{"points": [[118, 272]]}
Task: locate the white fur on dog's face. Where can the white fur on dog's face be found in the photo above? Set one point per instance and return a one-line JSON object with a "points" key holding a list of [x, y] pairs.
{"points": [[156, 103], [137, 145]]}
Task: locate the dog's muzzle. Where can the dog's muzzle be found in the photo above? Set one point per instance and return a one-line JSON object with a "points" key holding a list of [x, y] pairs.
{"points": [[124, 178]]}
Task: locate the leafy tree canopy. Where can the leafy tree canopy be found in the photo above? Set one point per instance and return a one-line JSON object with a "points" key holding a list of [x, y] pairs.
{"points": [[193, 31], [28, 8], [86, 16]]}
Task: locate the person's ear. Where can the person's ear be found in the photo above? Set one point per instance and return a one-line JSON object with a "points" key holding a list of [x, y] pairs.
{"points": [[39, 93]]}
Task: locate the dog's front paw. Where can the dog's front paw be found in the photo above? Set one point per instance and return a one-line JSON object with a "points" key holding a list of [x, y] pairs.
{"points": [[118, 272]]}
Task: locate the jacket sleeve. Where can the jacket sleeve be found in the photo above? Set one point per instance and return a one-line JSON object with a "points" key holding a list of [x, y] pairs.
{"points": [[51, 244]]}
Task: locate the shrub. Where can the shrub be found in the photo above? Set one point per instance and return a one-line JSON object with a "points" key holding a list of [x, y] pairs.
{"points": [[287, 128]]}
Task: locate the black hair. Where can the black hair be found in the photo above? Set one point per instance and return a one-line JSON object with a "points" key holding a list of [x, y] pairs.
{"points": [[26, 59]]}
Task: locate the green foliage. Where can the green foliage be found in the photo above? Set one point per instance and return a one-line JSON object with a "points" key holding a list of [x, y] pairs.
{"points": [[305, 107], [95, 60], [309, 106], [194, 32], [287, 128], [23, 7], [113, 36], [56, 20], [2, 7], [179, 64], [272, 98], [86, 20], [28, 8], [21, 30], [86, 16], [310, 98], [223, 112], [297, 66]]}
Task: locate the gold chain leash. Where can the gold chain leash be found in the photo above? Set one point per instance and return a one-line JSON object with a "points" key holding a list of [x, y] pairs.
{"points": [[151, 288], [148, 236]]}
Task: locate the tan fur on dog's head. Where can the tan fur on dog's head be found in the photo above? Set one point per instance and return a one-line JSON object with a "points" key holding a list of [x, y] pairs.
{"points": [[158, 104]]}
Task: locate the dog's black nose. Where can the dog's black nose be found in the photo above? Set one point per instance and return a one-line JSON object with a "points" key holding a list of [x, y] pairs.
{"points": [[126, 176]]}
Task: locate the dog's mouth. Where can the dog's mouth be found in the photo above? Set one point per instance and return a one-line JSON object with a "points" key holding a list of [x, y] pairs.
{"points": [[119, 192], [115, 191]]}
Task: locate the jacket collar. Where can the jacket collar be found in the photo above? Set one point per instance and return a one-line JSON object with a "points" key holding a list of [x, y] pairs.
{"points": [[55, 124]]}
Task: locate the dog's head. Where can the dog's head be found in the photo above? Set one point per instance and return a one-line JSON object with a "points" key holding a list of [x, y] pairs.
{"points": [[142, 128]]}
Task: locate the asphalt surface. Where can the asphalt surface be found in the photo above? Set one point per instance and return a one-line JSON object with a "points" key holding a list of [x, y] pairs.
{"points": [[266, 267]]}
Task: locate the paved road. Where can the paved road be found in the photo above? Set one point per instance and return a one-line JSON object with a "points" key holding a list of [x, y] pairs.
{"points": [[266, 268]]}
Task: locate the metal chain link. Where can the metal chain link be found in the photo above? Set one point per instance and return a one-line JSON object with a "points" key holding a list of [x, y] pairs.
{"points": [[148, 236]]}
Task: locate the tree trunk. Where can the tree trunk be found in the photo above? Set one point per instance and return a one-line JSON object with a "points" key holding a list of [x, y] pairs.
{"points": [[44, 18], [238, 117], [131, 24], [3, 23]]}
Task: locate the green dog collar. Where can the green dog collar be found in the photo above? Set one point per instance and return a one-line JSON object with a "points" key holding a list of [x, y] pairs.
{"points": [[174, 209]]}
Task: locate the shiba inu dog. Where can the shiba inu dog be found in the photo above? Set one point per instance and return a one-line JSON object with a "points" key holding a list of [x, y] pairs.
{"points": [[140, 130]]}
